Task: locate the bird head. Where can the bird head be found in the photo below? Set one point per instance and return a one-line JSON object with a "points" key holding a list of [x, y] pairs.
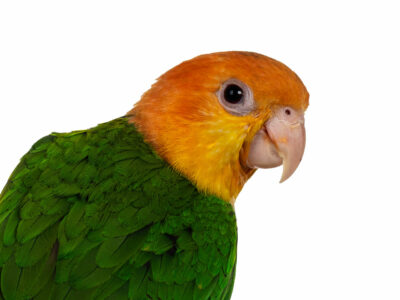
{"points": [[218, 117]]}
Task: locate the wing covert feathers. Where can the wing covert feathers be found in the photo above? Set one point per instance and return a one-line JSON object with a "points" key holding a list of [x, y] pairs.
{"points": [[96, 214]]}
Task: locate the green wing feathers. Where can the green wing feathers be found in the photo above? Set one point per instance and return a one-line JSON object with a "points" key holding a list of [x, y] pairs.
{"points": [[96, 214]]}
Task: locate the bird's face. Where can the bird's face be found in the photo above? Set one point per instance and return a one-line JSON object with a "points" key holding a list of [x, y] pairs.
{"points": [[219, 117]]}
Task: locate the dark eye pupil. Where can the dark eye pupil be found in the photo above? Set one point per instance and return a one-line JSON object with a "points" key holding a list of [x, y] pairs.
{"points": [[233, 93]]}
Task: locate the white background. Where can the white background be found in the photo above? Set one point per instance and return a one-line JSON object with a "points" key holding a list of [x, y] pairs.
{"points": [[332, 231]]}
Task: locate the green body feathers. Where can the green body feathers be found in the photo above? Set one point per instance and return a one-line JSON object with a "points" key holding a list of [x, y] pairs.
{"points": [[96, 214]]}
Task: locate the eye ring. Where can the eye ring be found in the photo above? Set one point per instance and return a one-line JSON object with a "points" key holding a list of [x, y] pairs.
{"points": [[236, 97]]}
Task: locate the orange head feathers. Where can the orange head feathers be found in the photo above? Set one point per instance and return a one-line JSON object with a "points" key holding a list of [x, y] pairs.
{"points": [[211, 117]]}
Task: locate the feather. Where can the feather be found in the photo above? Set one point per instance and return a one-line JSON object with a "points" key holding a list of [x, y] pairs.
{"points": [[97, 214]]}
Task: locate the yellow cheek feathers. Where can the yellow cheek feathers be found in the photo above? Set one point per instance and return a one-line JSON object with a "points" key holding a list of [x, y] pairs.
{"points": [[210, 158]]}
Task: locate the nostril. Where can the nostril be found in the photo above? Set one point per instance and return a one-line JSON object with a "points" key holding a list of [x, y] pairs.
{"points": [[288, 112]]}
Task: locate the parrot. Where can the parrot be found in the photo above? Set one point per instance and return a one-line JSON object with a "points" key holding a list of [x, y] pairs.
{"points": [[142, 206]]}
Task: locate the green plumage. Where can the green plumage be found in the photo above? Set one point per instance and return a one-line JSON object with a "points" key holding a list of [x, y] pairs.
{"points": [[96, 214]]}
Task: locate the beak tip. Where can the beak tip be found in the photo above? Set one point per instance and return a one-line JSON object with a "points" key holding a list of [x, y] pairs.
{"points": [[283, 179], [287, 171]]}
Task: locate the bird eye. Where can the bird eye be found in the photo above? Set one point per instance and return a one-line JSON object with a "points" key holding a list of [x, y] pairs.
{"points": [[233, 93], [236, 97]]}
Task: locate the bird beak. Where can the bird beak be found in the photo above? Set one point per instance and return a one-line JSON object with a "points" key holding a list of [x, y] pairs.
{"points": [[281, 140]]}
